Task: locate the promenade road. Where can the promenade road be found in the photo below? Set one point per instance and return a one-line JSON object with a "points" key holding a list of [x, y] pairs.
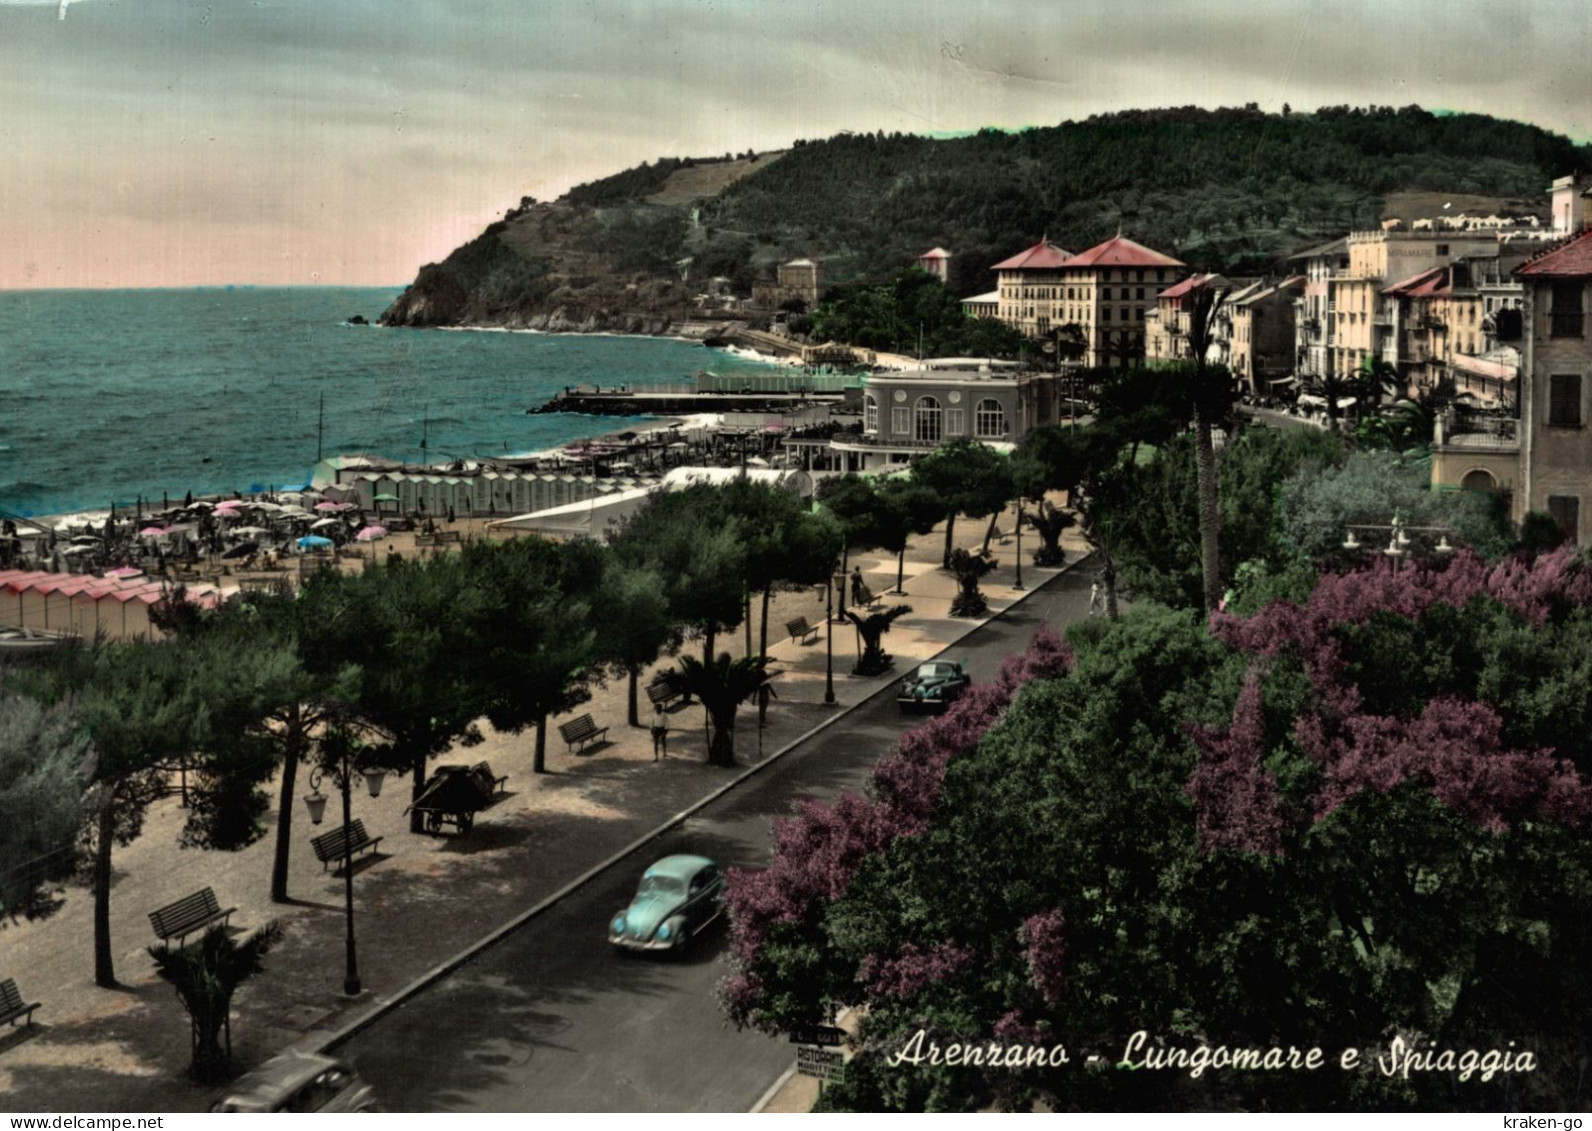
{"points": [[552, 1019]]}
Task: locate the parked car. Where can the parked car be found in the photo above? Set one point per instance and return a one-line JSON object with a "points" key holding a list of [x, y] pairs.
{"points": [[934, 685], [678, 897], [299, 1082]]}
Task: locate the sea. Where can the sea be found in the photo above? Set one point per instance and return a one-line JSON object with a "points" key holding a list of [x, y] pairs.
{"points": [[108, 396]]}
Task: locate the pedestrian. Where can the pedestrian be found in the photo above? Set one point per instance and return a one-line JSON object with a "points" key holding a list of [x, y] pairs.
{"points": [[660, 732], [1096, 596], [856, 585]]}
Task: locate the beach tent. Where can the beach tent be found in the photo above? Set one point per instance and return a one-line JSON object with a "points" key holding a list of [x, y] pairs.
{"points": [[586, 517]]}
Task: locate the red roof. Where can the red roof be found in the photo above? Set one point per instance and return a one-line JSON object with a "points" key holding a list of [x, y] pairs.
{"points": [[1119, 251], [1042, 254], [1571, 259], [1192, 283], [1428, 284]]}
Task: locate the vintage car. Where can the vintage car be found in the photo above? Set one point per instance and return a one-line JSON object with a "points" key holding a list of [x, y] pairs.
{"points": [[677, 898], [299, 1082], [933, 685]]}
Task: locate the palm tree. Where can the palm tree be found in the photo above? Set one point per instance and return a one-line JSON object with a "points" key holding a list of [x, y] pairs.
{"points": [[874, 658], [205, 976], [722, 686], [1050, 520], [970, 569]]}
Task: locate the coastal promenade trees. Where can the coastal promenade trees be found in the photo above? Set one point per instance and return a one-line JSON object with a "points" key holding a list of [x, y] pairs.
{"points": [[969, 478], [690, 541], [44, 764], [533, 637], [159, 714], [406, 626], [636, 625], [905, 507]]}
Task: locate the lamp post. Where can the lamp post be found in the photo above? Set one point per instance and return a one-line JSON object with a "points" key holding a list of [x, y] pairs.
{"points": [[1018, 584], [829, 642], [343, 772], [1399, 545]]}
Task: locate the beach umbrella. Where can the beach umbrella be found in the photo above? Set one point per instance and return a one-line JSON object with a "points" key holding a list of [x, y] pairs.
{"points": [[123, 572], [331, 506], [371, 533], [154, 531], [325, 522], [313, 542], [250, 531], [73, 551]]}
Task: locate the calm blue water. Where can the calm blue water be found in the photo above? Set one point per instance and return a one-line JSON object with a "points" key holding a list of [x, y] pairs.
{"points": [[108, 395]]}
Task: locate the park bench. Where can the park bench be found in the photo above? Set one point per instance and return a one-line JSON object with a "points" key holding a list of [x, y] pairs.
{"points": [[449, 537], [483, 771], [865, 596], [581, 730], [799, 630], [343, 843], [11, 1004], [189, 914], [662, 690]]}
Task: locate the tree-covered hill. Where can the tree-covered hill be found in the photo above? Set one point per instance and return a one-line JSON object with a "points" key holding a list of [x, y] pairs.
{"points": [[1233, 190]]}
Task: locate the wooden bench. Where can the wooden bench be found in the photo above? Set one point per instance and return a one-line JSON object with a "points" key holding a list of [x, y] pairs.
{"points": [[192, 913], [449, 537], [800, 630], [866, 597], [582, 731], [483, 770], [11, 1004], [343, 843], [662, 691]]}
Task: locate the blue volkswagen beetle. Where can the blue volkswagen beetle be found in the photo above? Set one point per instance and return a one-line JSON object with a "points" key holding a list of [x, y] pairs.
{"points": [[678, 896]]}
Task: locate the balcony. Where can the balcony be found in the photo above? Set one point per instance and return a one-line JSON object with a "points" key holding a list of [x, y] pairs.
{"points": [[1469, 430]]}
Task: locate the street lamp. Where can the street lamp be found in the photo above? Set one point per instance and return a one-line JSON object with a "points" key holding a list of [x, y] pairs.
{"points": [[343, 773], [1399, 544], [1018, 584], [829, 642]]}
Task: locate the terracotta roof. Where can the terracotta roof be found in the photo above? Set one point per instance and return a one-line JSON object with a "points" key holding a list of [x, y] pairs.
{"points": [[1190, 284], [1571, 259], [1427, 284], [1119, 251], [1042, 254]]}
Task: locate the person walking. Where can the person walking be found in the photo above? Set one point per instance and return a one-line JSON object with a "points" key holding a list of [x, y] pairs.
{"points": [[660, 732], [856, 585], [1096, 596]]}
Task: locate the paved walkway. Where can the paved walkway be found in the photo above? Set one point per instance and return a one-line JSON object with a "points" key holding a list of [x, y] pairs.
{"points": [[420, 899]]}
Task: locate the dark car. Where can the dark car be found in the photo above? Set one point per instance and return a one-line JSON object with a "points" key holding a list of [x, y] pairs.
{"points": [[677, 898], [933, 685], [300, 1082]]}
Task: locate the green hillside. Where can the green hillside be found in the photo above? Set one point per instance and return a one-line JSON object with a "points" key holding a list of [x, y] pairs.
{"points": [[1231, 190]]}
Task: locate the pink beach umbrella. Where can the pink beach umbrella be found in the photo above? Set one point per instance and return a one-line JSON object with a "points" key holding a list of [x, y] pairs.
{"points": [[371, 533], [329, 506], [154, 531], [124, 572]]}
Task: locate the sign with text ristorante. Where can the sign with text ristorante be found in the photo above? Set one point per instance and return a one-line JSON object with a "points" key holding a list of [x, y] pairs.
{"points": [[822, 1063]]}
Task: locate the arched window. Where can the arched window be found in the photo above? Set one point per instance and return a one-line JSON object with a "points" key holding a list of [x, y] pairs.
{"points": [[1479, 480], [989, 420], [928, 420], [870, 413]]}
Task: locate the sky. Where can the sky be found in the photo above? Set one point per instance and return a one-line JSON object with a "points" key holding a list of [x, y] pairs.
{"points": [[183, 142]]}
